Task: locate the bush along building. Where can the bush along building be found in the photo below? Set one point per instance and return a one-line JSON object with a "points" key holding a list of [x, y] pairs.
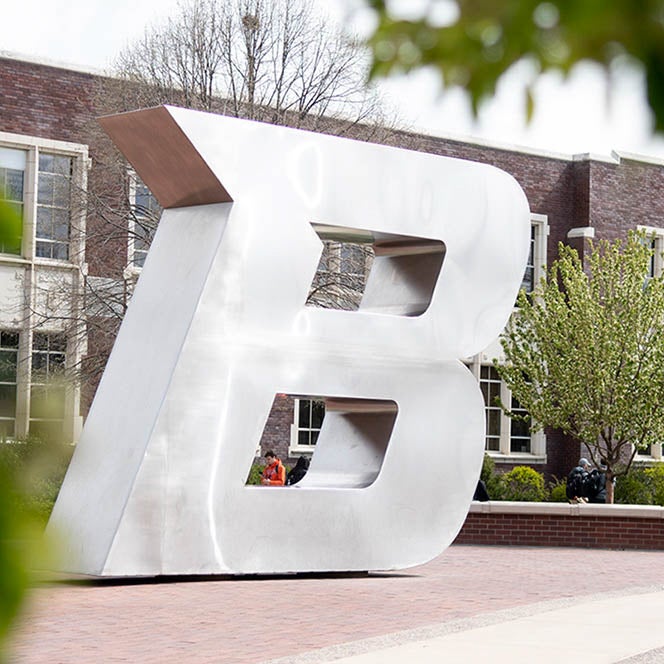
{"points": [[87, 223]]}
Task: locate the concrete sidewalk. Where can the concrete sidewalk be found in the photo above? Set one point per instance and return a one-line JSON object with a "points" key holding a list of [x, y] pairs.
{"points": [[479, 603], [605, 630]]}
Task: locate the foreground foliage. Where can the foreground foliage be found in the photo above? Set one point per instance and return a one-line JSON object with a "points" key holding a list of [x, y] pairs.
{"points": [[473, 43], [31, 473]]}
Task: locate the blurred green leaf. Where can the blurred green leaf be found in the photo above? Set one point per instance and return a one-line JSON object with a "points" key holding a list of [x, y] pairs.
{"points": [[485, 38], [11, 229]]}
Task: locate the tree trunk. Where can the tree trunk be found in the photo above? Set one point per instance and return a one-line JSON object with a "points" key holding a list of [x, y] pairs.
{"points": [[609, 490]]}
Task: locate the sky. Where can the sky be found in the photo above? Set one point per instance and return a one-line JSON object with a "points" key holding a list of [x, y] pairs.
{"points": [[585, 114]]}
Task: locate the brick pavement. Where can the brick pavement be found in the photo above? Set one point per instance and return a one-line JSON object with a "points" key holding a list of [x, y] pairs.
{"points": [[252, 620]]}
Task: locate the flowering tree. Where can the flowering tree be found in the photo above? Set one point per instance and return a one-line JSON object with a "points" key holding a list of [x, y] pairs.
{"points": [[585, 352]]}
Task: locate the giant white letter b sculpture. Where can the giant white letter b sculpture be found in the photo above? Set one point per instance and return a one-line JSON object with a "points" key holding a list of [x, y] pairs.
{"points": [[218, 325]]}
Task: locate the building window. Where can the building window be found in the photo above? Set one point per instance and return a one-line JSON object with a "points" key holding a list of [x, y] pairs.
{"points": [[308, 419], [39, 179], [53, 206], [47, 389], [8, 364], [655, 241], [341, 275], [505, 436], [490, 385], [528, 283], [145, 212], [651, 453], [12, 176], [520, 434], [539, 231]]}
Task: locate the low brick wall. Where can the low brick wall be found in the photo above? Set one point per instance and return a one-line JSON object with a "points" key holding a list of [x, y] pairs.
{"points": [[561, 524]]}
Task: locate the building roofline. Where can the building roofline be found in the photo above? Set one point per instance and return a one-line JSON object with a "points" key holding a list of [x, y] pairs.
{"points": [[55, 64], [615, 157]]}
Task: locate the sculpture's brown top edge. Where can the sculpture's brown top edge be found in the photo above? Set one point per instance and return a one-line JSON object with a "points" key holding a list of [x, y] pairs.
{"points": [[164, 158]]}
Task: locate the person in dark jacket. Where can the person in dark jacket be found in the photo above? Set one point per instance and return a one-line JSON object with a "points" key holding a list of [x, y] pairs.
{"points": [[298, 471], [597, 485], [576, 489]]}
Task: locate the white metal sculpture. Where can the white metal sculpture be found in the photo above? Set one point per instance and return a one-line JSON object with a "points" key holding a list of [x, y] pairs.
{"points": [[218, 325]]}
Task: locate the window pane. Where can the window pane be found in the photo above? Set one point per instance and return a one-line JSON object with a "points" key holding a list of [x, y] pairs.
{"points": [[62, 165], [528, 282], [9, 339], [40, 341], [7, 366], [57, 342], [303, 438], [53, 206], [44, 221], [317, 414], [520, 445], [304, 417], [14, 185], [61, 225], [46, 162], [492, 444], [46, 429], [493, 422], [45, 189], [520, 434], [61, 192], [6, 428], [46, 402], [38, 364], [60, 251], [43, 249], [7, 400]]}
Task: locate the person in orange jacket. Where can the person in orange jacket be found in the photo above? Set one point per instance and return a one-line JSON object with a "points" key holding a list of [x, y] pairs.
{"points": [[274, 473]]}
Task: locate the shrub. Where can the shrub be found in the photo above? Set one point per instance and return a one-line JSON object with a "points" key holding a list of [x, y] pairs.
{"points": [[655, 476], [523, 484], [634, 488], [558, 490], [490, 478], [255, 473]]}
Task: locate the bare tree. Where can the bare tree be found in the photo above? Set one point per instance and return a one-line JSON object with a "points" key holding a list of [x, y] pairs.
{"points": [[275, 61], [270, 60]]}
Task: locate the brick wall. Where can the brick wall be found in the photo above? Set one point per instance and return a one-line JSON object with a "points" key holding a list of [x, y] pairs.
{"points": [[560, 524], [45, 101], [276, 436], [58, 103]]}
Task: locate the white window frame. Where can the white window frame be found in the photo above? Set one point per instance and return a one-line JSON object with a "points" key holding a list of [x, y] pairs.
{"points": [[537, 452], [28, 269], [48, 353], [295, 449], [14, 383], [540, 223], [33, 146], [504, 452], [132, 267], [658, 267]]}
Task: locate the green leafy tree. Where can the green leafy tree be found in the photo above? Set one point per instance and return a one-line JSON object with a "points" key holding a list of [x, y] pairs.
{"points": [[472, 43], [585, 353]]}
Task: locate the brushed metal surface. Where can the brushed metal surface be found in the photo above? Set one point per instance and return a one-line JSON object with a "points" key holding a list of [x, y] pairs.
{"points": [[218, 325]]}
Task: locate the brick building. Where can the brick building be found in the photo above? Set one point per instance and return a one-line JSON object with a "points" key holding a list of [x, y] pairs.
{"points": [[52, 161]]}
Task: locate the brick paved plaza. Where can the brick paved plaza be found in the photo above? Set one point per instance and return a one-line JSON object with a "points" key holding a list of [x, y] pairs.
{"points": [[255, 620]]}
